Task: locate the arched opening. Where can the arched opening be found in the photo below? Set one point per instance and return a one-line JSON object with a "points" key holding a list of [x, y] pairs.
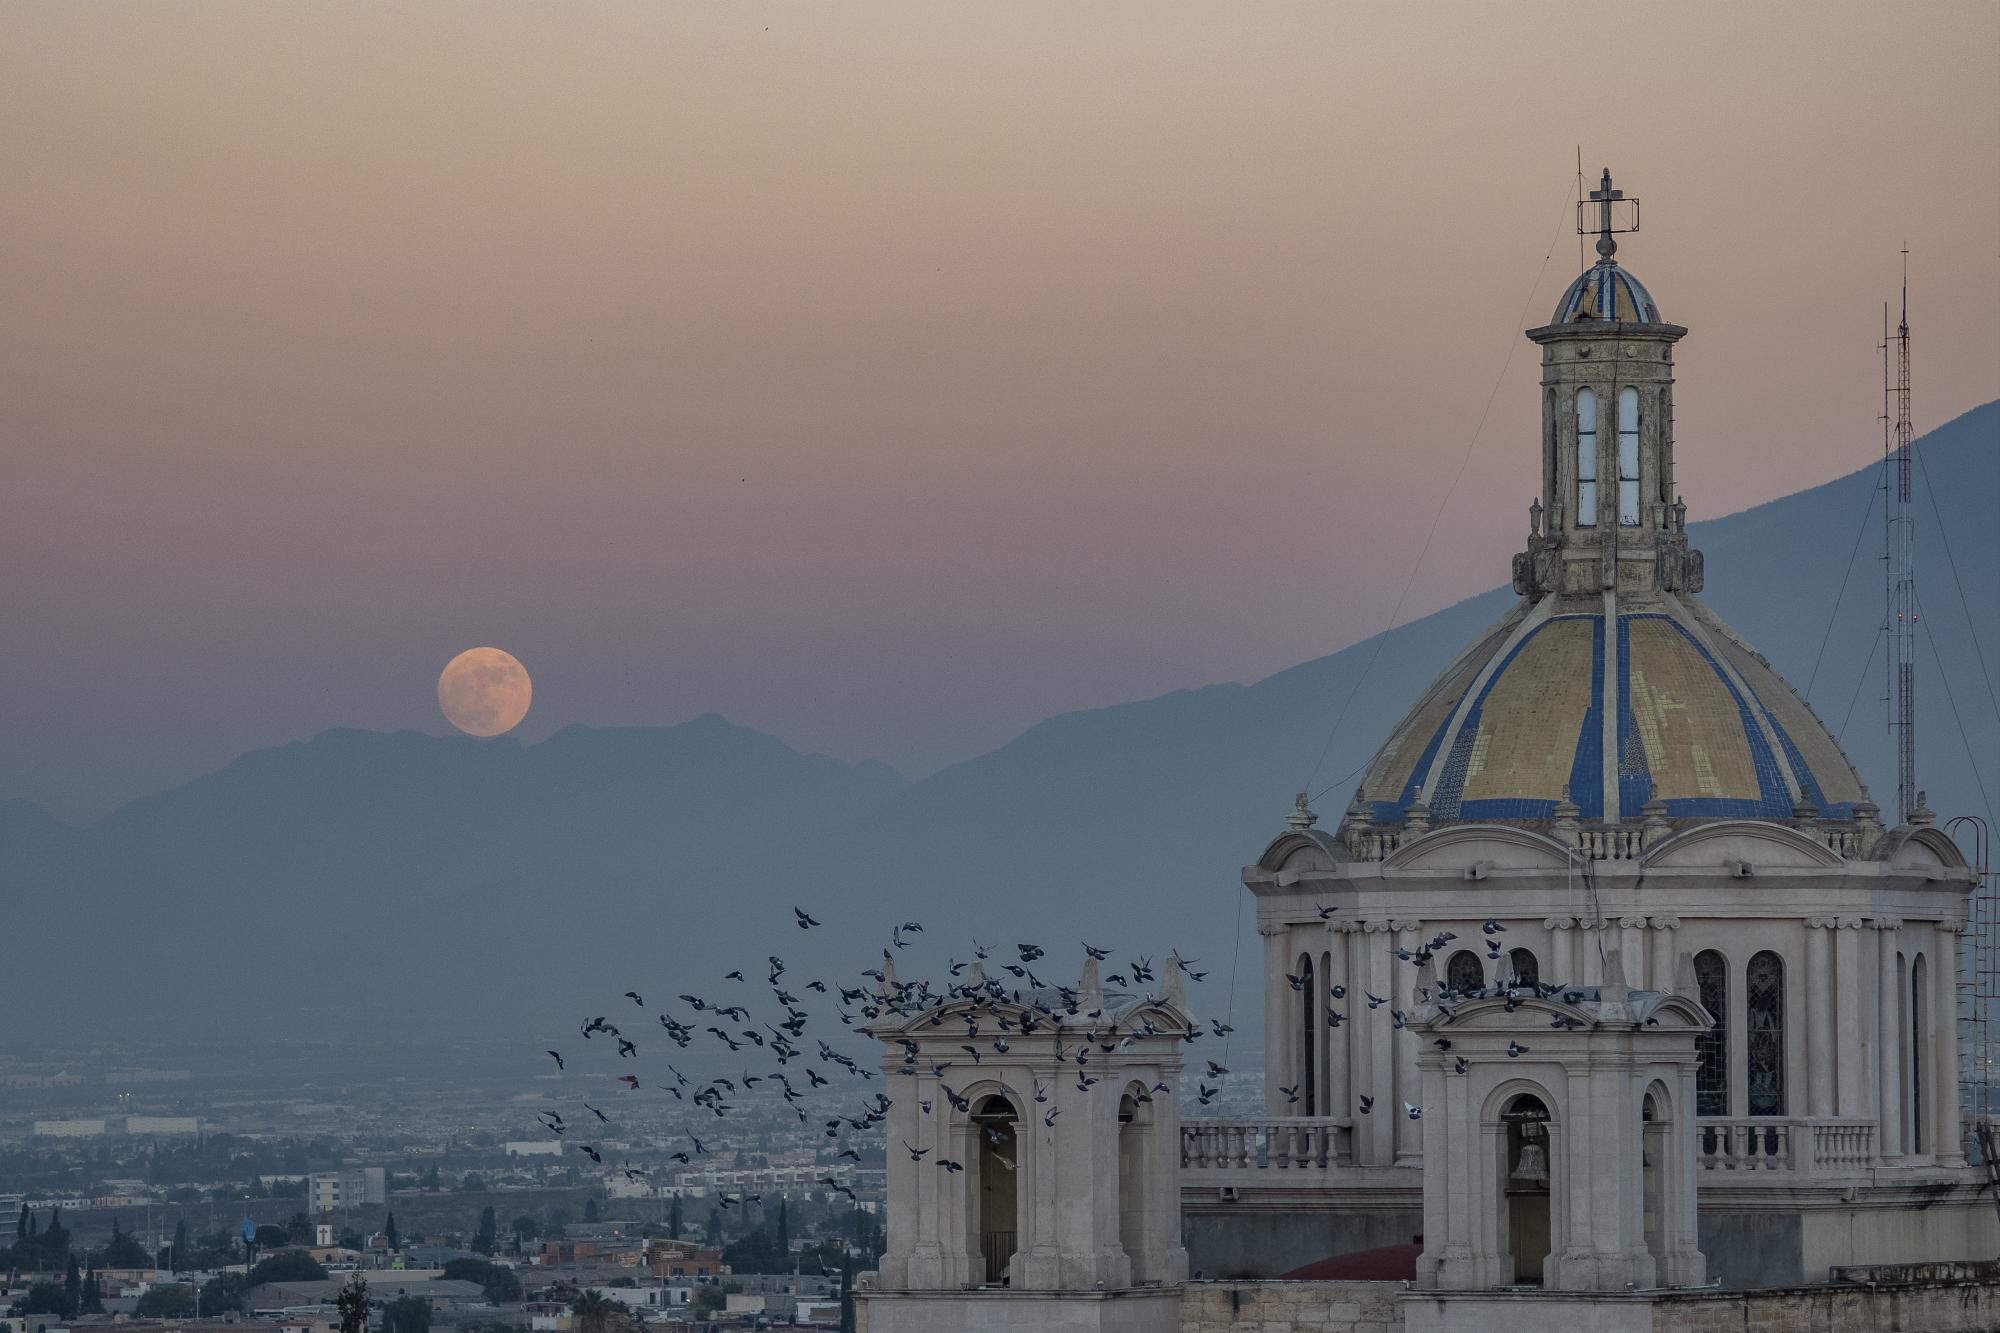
{"points": [[1919, 1026], [994, 1189], [1526, 971], [1586, 458], [1764, 1027], [1308, 1066], [1653, 1149], [1525, 1185], [1465, 973], [1711, 1048], [1133, 1120]]}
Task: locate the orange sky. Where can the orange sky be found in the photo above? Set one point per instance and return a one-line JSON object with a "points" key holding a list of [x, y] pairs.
{"points": [[886, 376]]}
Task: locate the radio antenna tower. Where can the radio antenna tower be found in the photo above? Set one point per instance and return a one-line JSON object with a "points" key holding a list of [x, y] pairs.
{"points": [[1899, 549]]}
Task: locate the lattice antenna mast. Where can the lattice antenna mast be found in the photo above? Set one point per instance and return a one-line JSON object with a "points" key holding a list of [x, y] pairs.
{"points": [[1900, 620]]}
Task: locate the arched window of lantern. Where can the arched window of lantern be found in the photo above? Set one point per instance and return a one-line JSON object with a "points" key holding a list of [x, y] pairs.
{"points": [[1628, 457], [1586, 458], [1764, 1033], [1711, 1048], [1464, 972], [1527, 972]]}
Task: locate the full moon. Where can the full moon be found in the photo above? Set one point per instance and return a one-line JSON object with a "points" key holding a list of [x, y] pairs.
{"points": [[484, 691]]}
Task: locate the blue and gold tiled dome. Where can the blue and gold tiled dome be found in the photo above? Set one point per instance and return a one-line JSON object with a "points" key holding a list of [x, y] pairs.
{"points": [[1606, 291], [1667, 703]]}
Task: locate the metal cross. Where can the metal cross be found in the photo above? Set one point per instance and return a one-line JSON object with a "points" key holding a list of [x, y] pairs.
{"points": [[1604, 197]]}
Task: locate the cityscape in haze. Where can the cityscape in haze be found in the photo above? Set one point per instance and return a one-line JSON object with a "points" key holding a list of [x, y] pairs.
{"points": [[900, 667]]}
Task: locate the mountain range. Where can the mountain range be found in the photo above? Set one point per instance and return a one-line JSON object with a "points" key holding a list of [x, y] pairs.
{"points": [[461, 886]]}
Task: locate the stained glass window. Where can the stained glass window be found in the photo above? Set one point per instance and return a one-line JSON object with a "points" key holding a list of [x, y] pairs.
{"points": [[1711, 1048], [1764, 1024], [1463, 973], [1527, 972]]}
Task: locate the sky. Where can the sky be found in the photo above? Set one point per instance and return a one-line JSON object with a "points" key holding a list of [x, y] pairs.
{"points": [[886, 377]]}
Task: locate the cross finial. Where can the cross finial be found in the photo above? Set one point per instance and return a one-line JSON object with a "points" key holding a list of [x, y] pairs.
{"points": [[1604, 195]]}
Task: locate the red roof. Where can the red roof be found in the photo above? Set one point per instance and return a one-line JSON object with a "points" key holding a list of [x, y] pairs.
{"points": [[1388, 1264]]}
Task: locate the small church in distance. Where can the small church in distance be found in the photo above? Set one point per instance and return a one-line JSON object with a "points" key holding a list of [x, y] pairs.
{"points": [[1610, 1001]]}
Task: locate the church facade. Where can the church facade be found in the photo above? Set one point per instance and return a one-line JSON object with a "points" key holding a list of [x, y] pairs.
{"points": [[1611, 976]]}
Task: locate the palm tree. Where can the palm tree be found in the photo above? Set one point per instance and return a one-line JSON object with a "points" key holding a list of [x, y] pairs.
{"points": [[595, 1312]]}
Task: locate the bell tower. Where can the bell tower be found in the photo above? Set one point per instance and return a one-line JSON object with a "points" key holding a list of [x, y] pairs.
{"points": [[1607, 518]]}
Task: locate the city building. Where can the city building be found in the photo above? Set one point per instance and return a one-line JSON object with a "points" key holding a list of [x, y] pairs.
{"points": [[349, 1187]]}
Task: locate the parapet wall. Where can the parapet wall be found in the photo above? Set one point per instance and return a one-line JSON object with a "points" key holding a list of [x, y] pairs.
{"points": [[1925, 1305], [1308, 1307]]}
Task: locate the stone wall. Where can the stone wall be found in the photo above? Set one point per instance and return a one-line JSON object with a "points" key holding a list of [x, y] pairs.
{"points": [[1916, 1307], [1381, 1307], [1307, 1307]]}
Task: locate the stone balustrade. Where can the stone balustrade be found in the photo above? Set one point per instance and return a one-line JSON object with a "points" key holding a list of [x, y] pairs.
{"points": [[1794, 1145], [1271, 1143]]}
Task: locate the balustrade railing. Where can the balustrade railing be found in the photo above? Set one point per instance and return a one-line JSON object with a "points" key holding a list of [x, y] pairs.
{"points": [[1797, 1145], [1275, 1143]]}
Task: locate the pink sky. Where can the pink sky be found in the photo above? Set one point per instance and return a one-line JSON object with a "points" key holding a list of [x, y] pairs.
{"points": [[886, 377]]}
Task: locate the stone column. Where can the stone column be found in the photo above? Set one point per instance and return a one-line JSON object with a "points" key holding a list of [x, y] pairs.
{"points": [[1408, 1088], [1632, 951], [1819, 1015], [1322, 990], [1277, 1018], [1950, 1148], [1853, 1040], [1339, 1086], [1888, 1043], [1590, 947], [1561, 964], [1661, 965], [1377, 1130]]}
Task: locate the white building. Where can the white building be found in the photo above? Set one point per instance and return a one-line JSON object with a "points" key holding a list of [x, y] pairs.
{"points": [[349, 1187], [1610, 979]]}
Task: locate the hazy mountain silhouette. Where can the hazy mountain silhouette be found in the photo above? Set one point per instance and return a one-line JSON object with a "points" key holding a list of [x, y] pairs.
{"points": [[367, 878]]}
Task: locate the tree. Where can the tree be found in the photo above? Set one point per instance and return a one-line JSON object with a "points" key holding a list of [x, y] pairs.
{"points": [[846, 1292], [92, 1302], [431, 1178], [123, 1251], [714, 1230], [499, 1282], [174, 1301], [595, 1312], [286, 1266], [21, 1232], [72, 1288], [180, 1243], [483, 1240], [389, 1232], [754, 1253], [352, 1303], [524, 1228], [406, 1314], [299, 1229], [219, 1295], [708, 1299], [590, 1210], [784, 1231], [271, 1237], [45, 1298], [674, 1219]]}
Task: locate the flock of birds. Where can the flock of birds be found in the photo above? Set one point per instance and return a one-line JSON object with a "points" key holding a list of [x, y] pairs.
{"points": [[803, 1062], [994, 1013]]}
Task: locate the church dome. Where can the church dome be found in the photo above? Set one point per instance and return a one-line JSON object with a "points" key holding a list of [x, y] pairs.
{"points": [[1608, 292], [1666, 704]]}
